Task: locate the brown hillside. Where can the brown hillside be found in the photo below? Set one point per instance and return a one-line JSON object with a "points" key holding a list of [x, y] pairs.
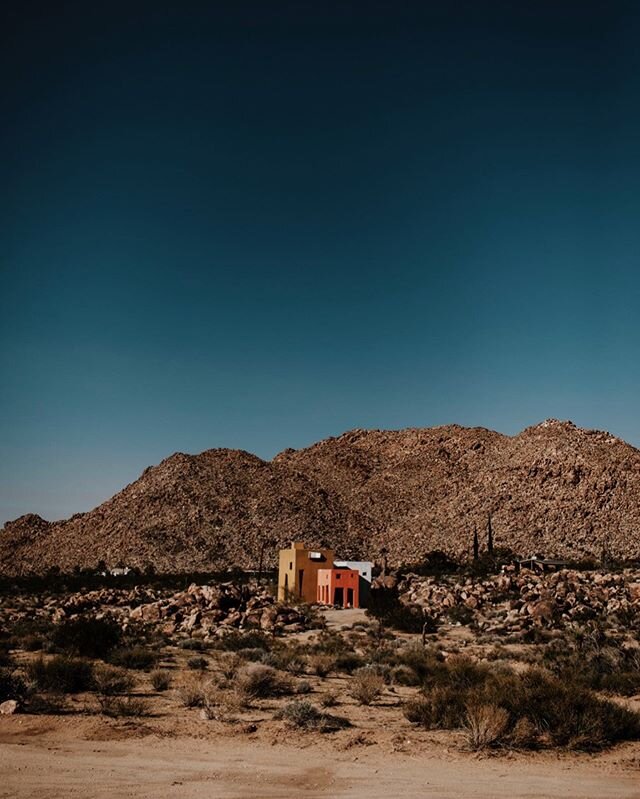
{"points": [[190, 512], [553, 488]]}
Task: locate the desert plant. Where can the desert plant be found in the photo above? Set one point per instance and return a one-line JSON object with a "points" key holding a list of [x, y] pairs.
{"points": [[301, 714], [87, 636], [160, 680], [127, 706], [322, 665], [257, 681], [61, 674], [135, 657], [191, 692], [304, 687], [11, 685], [366, 685], [111, 680], [485, 725]]}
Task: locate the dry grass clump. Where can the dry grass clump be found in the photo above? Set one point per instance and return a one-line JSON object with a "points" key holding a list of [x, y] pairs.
{"points": [[258, 681], [123, 706], [111, 680], [366, 685], [221, 705], [322, 665], [160, 680], [191, 691], [485, 725], [301, 714]]}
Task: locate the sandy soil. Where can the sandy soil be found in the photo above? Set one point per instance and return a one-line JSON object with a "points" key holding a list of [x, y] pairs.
{"points": [[49, 757]]}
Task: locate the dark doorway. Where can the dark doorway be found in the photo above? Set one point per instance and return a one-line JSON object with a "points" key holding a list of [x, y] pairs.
{"points": [[338, 596], [350, 597], [300, 579], [286, 586]]}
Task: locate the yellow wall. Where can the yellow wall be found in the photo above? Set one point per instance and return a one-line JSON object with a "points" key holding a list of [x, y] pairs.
{"points": [[291, 562]]}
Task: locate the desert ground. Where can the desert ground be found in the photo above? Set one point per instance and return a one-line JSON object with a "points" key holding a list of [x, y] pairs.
{"points": [[207, 732]]}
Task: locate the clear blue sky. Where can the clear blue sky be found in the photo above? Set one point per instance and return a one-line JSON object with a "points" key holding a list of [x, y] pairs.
{"points": [[256, 225]]}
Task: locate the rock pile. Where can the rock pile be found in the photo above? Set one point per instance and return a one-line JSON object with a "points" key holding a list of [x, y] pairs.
{"points": [[214, 610], [514, 602]]}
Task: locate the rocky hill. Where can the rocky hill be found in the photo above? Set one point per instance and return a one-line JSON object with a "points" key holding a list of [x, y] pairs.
{"points": [[554, 488]]}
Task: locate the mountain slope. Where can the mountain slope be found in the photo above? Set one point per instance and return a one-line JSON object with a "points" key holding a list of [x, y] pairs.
{"points": [[553, 488]]}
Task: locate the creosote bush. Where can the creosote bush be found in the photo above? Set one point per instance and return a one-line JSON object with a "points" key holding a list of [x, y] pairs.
{"points": [[61, 674], [87, 636]]}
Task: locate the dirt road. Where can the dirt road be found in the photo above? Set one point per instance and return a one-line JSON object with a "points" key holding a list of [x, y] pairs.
{"points": [[43, 762]]}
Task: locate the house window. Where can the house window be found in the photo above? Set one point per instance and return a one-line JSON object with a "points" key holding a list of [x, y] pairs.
{"points": [[290, 566]]}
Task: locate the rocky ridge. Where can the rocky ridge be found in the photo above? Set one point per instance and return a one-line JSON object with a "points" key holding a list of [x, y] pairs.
{"points": [[554, 489]]}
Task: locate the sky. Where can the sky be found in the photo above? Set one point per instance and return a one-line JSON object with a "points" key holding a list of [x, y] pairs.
{"points": [[255, 225]]}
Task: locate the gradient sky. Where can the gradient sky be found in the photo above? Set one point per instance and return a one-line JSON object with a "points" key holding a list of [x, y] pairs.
{"points": [[256, 225]]}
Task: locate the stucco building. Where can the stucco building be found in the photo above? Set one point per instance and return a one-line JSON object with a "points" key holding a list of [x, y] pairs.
{"points": [[298, 572]]}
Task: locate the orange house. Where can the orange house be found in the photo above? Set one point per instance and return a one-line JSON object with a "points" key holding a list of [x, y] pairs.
{"points": [[339, 587]]}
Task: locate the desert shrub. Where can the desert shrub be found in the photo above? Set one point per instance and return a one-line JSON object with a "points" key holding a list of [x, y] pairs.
{"points": [[366, 685], [537, 706], [330, 699], [385, 606], [191, 692], [11, 685], [597, 663], [303, 687], [423, 661], [349, 662], [135, 657], [485, 725], [87, 636], [257, 681], [123, 706], [198, 664], [331, 643], [418, 711], [404, 675], [251, 654], [61, 674], [220, 705], [301, 714], [160, 680], [322, 665], [111, 680]]}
